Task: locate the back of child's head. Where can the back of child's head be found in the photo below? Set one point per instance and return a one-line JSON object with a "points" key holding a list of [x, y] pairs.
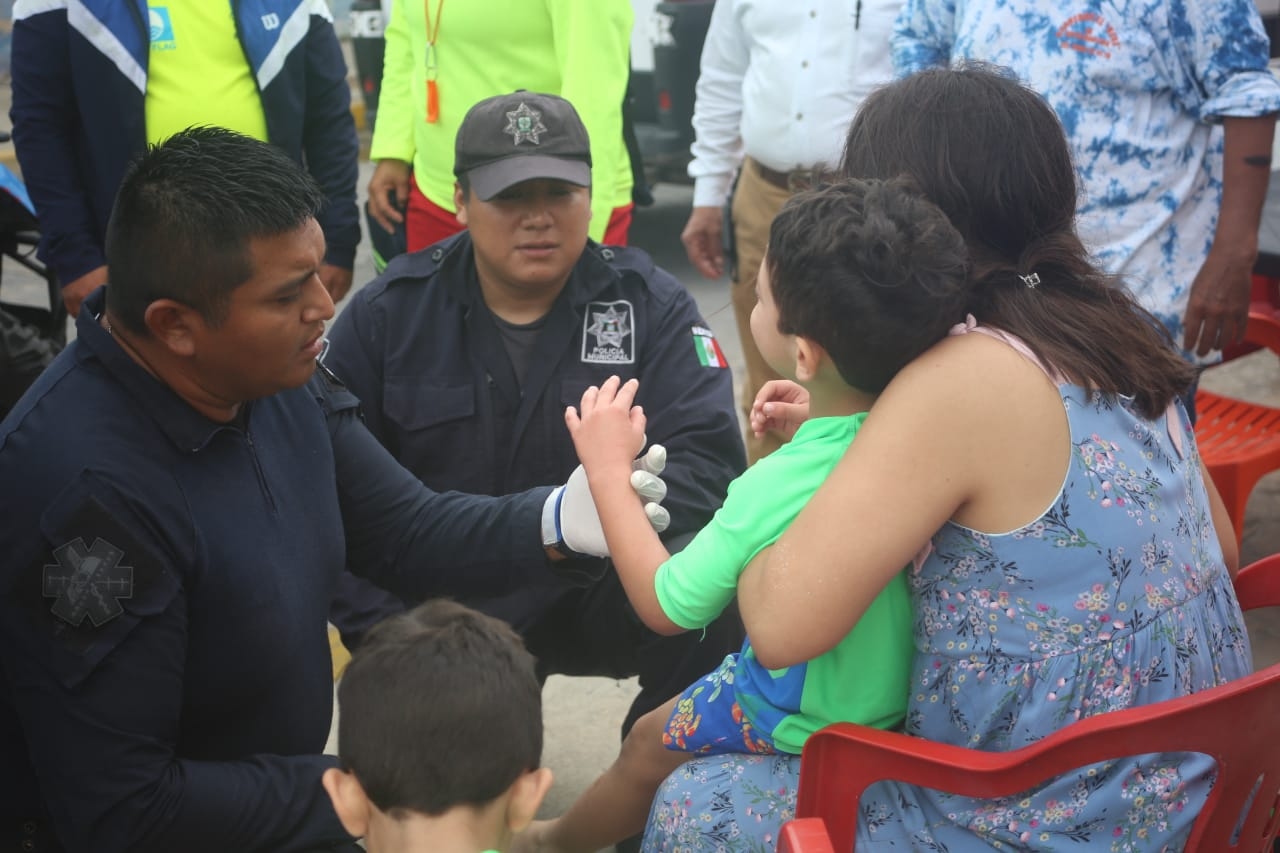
{"points": [[992, 154], [440, 707], [869, 270]]}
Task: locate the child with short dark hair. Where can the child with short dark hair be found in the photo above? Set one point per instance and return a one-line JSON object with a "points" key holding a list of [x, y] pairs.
{"points": [[440, 734], [859, 279]]}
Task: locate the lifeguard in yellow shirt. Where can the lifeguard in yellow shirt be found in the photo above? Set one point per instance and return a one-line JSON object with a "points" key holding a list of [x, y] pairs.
{"points": [[444, 56]]}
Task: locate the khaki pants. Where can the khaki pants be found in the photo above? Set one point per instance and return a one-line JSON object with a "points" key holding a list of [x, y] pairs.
{"points": [[755, 203]]}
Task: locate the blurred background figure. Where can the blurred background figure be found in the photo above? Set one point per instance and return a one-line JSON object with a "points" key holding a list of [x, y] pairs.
{"points": [[1169, 109], [95, 82], [778, 86], [444, 56]]}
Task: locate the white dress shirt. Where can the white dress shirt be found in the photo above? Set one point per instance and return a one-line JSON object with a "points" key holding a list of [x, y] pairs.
{"points": [[780, 82]]}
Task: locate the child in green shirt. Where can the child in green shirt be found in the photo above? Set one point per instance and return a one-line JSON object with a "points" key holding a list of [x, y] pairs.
{"points": [[859, 279]]}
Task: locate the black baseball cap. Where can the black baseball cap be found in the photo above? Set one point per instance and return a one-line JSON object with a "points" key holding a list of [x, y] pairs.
{"points": [[518, 137]]}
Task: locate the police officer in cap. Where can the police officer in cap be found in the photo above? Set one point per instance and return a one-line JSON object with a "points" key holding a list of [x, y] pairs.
{"points": [[466, 353], [178, 494]]}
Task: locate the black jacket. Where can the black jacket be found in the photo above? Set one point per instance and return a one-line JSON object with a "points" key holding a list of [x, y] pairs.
{"points": [[422, 352]]}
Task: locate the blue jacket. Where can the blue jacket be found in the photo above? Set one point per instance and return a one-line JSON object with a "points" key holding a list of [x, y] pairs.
{"points": [[422, 352], [184, 704], [79, 80]]}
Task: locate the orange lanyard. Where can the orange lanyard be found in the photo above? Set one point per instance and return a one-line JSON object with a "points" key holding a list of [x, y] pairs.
{"points": [[433, 95]]}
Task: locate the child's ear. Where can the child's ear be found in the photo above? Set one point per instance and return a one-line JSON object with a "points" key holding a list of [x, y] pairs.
{"points": [[526, 796], [809, 357], [349, 800]]}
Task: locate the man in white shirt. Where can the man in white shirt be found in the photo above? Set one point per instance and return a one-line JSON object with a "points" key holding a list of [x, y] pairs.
{"points": [[778, 87]]}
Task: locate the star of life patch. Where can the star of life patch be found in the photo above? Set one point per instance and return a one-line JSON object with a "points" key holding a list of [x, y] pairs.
{"points": [[87, 582], [708, 348], [612, 326]]}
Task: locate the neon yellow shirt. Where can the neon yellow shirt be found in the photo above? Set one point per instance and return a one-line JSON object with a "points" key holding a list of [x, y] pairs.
{"points": [[197, 72], [577, 49]]}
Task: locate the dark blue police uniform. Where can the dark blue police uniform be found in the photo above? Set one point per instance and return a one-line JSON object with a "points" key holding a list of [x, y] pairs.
{"points": [[427, 358], [163, 598]]}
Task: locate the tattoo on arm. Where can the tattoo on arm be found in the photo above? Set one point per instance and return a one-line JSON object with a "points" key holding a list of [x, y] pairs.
{"points": [[1262, 160]]}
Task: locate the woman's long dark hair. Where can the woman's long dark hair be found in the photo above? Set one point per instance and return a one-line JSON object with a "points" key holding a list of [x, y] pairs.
{"points": [[993, 156]]}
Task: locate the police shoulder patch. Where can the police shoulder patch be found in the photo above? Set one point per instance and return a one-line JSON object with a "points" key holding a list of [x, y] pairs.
{"points": [[612, 326], [707, 348]]}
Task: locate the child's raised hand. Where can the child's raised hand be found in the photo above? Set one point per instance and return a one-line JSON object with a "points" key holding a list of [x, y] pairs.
{"points": [[780, 407], [607, 430]]}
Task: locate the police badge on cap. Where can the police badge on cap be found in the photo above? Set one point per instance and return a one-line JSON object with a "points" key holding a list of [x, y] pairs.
{"points": [[518, 137]]}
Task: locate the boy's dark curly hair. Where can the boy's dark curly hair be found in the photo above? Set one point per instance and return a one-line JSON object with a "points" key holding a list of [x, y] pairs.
{"points": [[869, 270]]}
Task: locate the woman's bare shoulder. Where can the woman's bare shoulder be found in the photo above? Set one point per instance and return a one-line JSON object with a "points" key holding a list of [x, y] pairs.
{"points": [[976, 394], [970, 373]]}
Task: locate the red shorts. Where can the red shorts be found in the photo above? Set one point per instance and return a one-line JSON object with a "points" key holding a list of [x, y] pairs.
{"points": [[427, 222]]}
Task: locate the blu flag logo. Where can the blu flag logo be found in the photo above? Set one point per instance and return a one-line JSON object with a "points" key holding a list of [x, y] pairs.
{"points": [[160, 28], [708, 348]]}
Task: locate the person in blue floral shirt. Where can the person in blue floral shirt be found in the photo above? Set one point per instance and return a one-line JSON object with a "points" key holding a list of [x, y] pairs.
{"points": [[1169, 110]]}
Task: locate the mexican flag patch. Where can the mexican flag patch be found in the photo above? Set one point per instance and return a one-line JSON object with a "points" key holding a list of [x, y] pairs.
{"points": [[708, 350]]}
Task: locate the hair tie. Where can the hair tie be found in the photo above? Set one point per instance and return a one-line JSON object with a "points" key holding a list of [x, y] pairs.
{"points": [[1031, 280]]}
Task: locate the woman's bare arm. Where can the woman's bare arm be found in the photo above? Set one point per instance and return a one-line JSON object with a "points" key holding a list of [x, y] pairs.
{"points": [[1222, 525], [940, 443]]}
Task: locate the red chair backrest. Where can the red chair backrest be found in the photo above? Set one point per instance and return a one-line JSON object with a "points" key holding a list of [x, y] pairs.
{"points": [[1264, 300], [1258, 584], [1238, 724], [1264, 326]]}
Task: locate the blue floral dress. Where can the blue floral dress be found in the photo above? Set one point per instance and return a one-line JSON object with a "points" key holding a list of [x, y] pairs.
{"points": [[1116, 596]]}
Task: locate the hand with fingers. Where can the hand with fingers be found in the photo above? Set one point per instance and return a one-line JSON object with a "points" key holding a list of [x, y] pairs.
{"points": [[702, 241], [607, 428], [577, 521], [389, 193], [780, 407], [1218, 307]]}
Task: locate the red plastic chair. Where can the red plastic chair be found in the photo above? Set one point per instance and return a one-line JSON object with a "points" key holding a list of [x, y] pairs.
{"points": [[1264, 295], [1240, 442], [1235, 723]]}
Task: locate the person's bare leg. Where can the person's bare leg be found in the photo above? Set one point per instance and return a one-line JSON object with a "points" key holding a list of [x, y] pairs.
{"points": [[616, 805]]}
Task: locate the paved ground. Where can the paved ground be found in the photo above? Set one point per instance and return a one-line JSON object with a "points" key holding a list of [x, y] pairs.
{"points": [[583, 713]]}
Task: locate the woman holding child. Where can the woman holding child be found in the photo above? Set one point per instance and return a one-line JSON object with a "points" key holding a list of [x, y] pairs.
{"points": [[1041, 451]]}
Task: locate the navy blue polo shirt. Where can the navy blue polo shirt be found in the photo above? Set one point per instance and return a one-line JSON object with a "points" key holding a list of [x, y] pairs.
{"points": [[162, 611], [163, 601]]}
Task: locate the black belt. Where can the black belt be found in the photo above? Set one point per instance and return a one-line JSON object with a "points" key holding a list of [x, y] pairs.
{"points": [[797, 180]]}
